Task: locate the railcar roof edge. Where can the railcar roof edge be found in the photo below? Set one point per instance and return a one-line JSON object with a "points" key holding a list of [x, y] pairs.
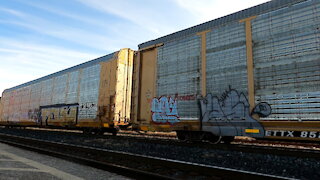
{"points": [[253, 11], [73, 68]]}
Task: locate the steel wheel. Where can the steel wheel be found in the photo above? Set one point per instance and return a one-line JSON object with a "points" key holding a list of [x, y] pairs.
{"points": [[215, 139], [227, 139]]}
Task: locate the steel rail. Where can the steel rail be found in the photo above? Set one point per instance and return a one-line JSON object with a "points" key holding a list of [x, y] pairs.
{"points": [[131, 165], [249, 148]]}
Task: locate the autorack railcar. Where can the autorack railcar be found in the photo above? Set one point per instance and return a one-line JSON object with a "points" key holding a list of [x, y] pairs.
{"points": [[252, 73], [94, 96]]}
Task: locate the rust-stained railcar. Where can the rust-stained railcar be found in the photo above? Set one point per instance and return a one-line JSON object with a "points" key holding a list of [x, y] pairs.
{"points": [[252, 73], [93, 96]]}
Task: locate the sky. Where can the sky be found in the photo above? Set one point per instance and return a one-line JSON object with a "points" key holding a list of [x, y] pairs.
{"points": [[40, 37]]}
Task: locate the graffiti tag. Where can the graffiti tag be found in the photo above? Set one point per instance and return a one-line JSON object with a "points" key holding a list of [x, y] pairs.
{"points": [[232, 105], [232, 111], [164, 110], [33, 114], [186, 97], [87, 105], [262, 109]]}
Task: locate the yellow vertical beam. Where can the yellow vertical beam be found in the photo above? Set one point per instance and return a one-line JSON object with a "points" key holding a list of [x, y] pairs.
{"points": [[136, 86], [203, 62], [250, 74]]}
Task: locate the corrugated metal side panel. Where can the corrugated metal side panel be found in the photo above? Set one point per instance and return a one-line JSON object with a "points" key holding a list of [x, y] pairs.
{"points": [[89, 92], [9, 106], [72, 90], [13, 105], [226, 59], [35, 96], [5, 107], [24, 103], [178, 74], [2, 110], [16, 106], [46, 92], [287, 61], [59, 89]]}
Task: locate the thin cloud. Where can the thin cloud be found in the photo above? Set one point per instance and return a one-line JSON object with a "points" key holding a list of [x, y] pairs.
{"points": [[124, 33], [43, 51], [23, 62], [72, 15], [154, 17], [13, 12], [67, 33]]}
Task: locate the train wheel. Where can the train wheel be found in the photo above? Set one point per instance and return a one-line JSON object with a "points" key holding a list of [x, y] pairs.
{"points": [[181, 136], [87, 131], [215, 139], [100, 132], [114, 133], [227, 139]]}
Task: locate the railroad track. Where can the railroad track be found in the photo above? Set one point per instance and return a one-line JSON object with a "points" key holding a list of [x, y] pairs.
{"points": [[238, 140], [131, 165], [305, 150], [291, 145], [279, 143], [259, 146], [269, 160]]}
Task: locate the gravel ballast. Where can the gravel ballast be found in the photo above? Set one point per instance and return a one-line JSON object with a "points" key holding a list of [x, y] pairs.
{"points": [[287, 166]]}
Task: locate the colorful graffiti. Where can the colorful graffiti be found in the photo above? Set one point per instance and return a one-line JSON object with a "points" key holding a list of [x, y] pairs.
{"points": [[164, 110], [230, 113]]}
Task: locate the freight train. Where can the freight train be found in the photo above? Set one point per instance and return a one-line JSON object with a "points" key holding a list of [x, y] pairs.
{"points": [[253, 73]]}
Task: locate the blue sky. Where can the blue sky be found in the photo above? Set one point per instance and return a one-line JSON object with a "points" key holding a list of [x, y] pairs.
{"points": [[40, 37]]}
